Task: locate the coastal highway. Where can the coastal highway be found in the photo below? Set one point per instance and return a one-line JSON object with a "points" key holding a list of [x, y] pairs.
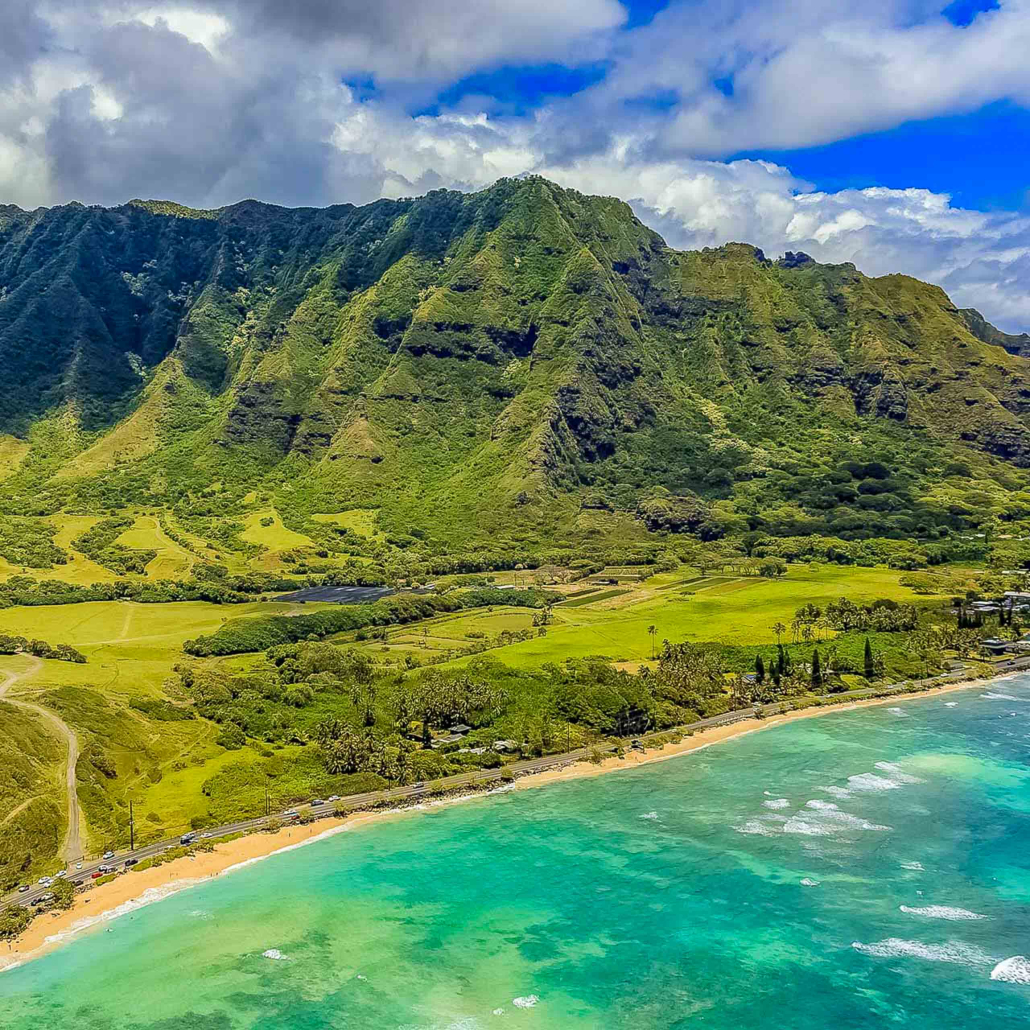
{"points": [[485, 777]]}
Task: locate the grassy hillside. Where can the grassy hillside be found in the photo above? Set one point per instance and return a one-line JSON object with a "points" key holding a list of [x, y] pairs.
{"points": [[491, 371]]}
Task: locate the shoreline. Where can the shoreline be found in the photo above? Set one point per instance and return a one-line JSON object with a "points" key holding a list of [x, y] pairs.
{"points": [[132, 891]]}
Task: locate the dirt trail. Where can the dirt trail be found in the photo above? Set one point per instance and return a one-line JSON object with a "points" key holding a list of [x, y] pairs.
{"points": [[71, 848]]}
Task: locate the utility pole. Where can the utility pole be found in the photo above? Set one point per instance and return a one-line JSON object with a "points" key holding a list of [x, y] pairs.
{"points": [[132, 828]]}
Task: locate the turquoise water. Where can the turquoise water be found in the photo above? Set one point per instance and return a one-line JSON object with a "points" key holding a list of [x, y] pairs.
{"points": [[718, 890]]}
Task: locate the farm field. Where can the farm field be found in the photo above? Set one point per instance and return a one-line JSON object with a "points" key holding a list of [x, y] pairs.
{"points": [[682, 607], [172, 561], [127, 704]]}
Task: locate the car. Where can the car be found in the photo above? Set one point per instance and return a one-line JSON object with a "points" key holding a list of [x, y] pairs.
{"points": [[96, 875], [637, 745], [333, 797], [420, 785], [316, 802], [105, 869], [46, 897], [291, 814], [78, 865], [187, 838], [131, 862], [107, 855], [206, 836], [77, 883], [61, 875], [23, 888]]}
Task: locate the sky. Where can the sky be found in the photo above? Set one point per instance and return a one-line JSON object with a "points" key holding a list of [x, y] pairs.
{"points": [[891, 133]]}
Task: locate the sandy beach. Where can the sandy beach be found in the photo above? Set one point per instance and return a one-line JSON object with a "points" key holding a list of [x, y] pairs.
{"points": [[137, 889]]}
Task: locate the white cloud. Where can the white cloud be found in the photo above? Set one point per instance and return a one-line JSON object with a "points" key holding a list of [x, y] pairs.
{"points": [[210, 101]]}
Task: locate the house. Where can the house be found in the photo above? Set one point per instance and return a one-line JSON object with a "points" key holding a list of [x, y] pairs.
{"points": [[505, 745], [994, 646]]}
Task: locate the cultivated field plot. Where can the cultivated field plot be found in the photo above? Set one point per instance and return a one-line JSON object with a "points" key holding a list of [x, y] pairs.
{"points": [[685, 607], [172, 561]]}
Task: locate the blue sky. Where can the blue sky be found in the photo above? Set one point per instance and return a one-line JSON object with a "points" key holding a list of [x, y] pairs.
{"points": [[891, 133]]}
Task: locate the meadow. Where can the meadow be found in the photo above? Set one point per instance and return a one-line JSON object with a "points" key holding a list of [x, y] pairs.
{"points": [[680, 605], [142, 739]]}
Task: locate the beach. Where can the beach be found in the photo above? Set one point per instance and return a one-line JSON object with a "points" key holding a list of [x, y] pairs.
{"points": [[134, 890]]}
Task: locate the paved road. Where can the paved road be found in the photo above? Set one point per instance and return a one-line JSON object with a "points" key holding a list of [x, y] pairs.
{"points": [[71, 847], [488, 776]]}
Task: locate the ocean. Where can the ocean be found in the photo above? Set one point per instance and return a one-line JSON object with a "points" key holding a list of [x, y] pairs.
{"points": [[862, 869]]}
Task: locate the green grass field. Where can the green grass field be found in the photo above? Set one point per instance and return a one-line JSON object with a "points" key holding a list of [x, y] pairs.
{"points": [[172, 561], [273, 537], [733, 611], [175, 771]]}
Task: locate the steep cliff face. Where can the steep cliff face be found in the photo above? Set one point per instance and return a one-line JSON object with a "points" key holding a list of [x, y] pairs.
{"points": [[520, 351]]}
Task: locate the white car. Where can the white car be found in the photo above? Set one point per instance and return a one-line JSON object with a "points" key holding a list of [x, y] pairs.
{"points": [[107, 854], [333, 797]]}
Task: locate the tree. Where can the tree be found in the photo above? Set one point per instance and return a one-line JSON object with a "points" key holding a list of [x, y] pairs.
{"points": [[778, 629], [759, 669], [869, 664], [652, 632], [817, 675]]}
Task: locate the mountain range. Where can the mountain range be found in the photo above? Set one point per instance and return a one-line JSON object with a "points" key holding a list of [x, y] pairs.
{"points": [[525, 363]]}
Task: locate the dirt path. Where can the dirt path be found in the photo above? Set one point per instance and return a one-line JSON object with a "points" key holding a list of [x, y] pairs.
{"points": [[71, 848]]}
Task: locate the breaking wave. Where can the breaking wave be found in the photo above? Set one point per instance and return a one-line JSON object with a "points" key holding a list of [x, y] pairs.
{"points": [[1015, 970], [777, 803], [274, 954], [950, 951], [941, 912], [527, 1002]]}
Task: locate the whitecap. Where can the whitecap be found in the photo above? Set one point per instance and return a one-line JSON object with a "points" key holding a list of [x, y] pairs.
{"points": [[899, 712], [525, 1003], [951, 704], [991, 696], [1015, 970], [897, 773], [777, 803], [837, 792], [807, 882], [649, 815], [941, 912], [498, 1012], [914, 866], [274, 954], [755, 828], [827, 819], [950, 951], [872, 782]]}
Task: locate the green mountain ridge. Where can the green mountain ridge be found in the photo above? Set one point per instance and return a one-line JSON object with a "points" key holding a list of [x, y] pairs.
{"points": [[521, 364]]}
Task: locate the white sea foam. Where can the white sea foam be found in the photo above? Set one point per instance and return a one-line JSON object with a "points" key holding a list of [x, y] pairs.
{"points": [[823, 818], [274, 954], [837, 792], [150, 896], [528, 1002], [914, 866], [950, 951], [498, 1012], [755, 828], [899, 712], [1015, 970], [991, 696], [941, 912], [777, 803], [649, 815], [807, 882], [951, 704], [896, 773]]}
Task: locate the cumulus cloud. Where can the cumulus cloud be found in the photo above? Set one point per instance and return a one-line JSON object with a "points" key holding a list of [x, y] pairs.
{"points": [[211, 101]]}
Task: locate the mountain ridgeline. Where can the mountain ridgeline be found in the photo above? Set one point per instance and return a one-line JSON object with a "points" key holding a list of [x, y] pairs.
{"points": [[521, 364]]}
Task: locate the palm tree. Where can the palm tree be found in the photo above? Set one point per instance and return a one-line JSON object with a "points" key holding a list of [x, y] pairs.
{"points": [[652, 631], [778, 629]]}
